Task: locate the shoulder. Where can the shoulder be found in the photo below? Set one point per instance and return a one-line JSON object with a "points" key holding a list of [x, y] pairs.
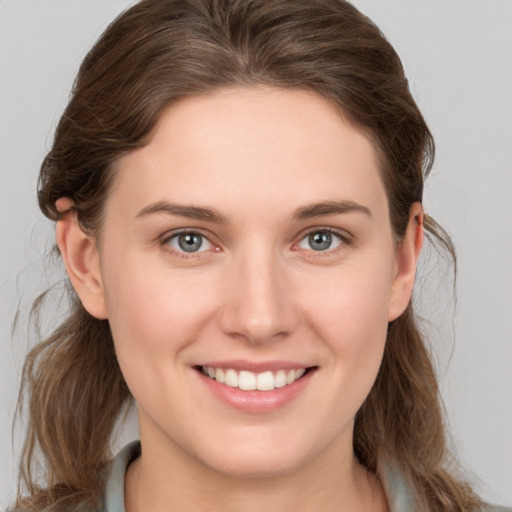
{"points": [[401, 495], [114, 488]]}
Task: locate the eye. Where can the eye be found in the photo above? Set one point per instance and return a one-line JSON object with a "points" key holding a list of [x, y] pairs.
{"points": [[321, 240], [189, 242]]}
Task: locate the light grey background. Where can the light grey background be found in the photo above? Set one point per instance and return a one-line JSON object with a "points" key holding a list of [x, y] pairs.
{"points": [[458, 55]]}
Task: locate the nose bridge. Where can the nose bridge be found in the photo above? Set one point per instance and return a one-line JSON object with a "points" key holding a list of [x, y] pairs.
{"points": [[259, 307]]}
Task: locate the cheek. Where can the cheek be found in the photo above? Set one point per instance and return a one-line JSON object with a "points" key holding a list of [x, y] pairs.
{"points": [[154, 316], [148, 302], [349, 313], [351, 301]]}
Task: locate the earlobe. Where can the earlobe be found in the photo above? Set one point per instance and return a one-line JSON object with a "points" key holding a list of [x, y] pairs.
{"points": [[81, 257], [407, 255]]}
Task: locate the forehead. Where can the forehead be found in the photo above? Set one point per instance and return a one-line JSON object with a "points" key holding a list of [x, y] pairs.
{"points": [[239, 145]]}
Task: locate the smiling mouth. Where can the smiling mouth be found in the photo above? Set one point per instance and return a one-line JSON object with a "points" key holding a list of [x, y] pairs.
{"points": [[251, 381]]}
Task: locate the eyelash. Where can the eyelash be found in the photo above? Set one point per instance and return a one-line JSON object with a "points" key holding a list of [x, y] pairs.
{"points": [[343, 238]]}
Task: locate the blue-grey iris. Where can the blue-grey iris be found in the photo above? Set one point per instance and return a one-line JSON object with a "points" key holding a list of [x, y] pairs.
{"points": [[320, 241], [190, 242]]}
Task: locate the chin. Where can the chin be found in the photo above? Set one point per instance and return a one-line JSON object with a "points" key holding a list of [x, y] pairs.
{"points": [[258, 457], [261, 466]]}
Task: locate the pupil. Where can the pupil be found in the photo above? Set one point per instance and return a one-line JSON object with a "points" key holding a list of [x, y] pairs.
{"points": [[320, 241], [190, 242]]}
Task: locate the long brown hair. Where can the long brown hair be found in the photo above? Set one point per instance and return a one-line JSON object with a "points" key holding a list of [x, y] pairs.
{"points": [[156, 53]]}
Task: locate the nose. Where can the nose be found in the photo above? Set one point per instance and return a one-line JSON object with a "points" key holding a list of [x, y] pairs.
{"points": [[259, 306]]}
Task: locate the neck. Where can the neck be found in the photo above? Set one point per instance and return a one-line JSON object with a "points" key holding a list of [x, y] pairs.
{"points": [[172, 480]]}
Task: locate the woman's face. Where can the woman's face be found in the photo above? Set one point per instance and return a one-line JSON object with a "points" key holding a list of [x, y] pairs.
{"points": [[250, 240]]}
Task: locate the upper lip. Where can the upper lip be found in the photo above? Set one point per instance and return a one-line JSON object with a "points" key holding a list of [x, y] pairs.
{"points": [[256, 366]]}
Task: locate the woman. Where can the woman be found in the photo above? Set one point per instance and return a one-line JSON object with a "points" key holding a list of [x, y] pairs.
{"points": [[237, 188]]}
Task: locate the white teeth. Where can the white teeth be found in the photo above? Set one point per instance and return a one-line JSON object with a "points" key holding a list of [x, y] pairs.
{"points": [[265, 381], [249, 381], [219, 375], [231, 378], [290, 376], [280, 379]]}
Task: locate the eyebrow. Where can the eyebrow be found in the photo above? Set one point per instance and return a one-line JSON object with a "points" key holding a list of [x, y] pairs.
{"points": [[190, 212], [213, 215], [330, 208]]}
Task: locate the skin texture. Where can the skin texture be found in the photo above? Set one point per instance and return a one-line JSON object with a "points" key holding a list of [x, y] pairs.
{"points": [[256, 291]]}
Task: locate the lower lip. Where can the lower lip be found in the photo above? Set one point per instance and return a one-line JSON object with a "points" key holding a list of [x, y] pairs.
{"points": [[257, 401]]}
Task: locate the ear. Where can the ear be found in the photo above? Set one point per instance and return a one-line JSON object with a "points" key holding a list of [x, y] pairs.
{"points": [[81, 258], [407, 255]]}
